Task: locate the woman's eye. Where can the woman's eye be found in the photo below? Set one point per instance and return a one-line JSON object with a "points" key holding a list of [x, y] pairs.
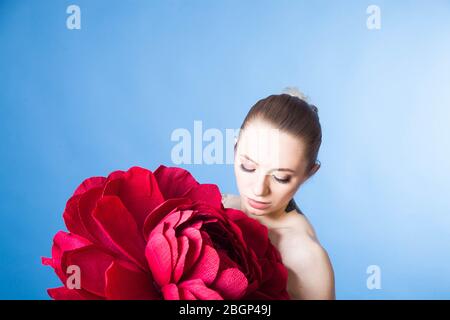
{"points": [[245, 169], [285, 180]]}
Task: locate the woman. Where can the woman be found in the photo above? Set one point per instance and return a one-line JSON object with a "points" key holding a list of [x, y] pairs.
{"points": [[275, 153]]}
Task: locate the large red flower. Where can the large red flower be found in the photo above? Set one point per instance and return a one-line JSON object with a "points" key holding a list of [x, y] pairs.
{"points": [[162, 235]]}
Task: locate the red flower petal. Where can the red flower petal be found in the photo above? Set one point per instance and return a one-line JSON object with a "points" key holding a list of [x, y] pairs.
{"points": [[126, 282], [258, 295], [160, 212], [225, 261], [72, 218], [174, 182], [118, 224], [63, 242], [88, 184], [255, 235], [186, 294], [86, 206], [62, 293], [196, 249], [206, 238], [138, 190], [208, 193], [93, 264], [275, 276]]}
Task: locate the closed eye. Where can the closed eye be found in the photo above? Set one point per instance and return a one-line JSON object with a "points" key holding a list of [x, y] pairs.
{"points": [[286, 180], [245, 169], [280, 180]]}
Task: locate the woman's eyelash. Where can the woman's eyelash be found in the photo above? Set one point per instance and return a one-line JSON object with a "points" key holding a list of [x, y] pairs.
{"points": [[277, 179], [282, 180], [245, 169]]}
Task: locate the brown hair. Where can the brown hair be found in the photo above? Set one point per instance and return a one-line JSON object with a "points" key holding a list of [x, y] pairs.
{"points": [[293, 115]]}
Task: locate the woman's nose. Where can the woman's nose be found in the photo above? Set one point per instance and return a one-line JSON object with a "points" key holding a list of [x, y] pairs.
{"points": [[260, 187]]}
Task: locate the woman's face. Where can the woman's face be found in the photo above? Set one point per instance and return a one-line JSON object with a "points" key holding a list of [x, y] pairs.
{"points": [[269, 167]]}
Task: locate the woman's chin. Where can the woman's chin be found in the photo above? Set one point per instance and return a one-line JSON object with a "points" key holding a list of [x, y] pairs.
{"points": [[257, 212]]}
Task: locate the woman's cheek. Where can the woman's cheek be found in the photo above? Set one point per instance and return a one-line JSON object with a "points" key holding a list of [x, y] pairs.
{"points": [[241, 182]]}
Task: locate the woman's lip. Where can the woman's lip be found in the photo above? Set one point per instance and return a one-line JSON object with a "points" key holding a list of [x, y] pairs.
{"points": [[258, 204]]}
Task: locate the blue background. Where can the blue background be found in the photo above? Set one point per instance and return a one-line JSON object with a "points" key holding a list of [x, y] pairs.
{"points": [[80, 103]]}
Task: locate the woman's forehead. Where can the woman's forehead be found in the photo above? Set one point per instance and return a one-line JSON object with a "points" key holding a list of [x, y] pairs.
{"points": [[271, 147]]}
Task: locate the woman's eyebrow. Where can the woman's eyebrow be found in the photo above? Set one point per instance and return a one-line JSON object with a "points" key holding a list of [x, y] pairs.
{"points": [[248, 158], [279, 169]]}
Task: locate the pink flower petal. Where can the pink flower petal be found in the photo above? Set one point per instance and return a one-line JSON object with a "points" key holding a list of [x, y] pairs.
{"points": [[183, 247], [170, 292], [231, 283], [169, 234], [170, 221], [198, 289], [195, 246], [159, 258], [206, 266]]}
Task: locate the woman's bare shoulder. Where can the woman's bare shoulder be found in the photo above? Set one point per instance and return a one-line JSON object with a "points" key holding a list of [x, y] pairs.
{"points": [[311, 274], [299, 224]]}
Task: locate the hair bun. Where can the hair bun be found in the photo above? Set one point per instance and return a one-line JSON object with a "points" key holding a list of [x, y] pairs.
{"points": [[295, 92]]}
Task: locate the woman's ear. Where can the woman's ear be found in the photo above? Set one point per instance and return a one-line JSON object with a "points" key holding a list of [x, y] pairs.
{"points": [[315, 168]]}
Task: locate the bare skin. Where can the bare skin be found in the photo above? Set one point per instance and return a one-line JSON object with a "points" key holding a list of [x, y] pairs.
{"points": [[260, 176]]}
